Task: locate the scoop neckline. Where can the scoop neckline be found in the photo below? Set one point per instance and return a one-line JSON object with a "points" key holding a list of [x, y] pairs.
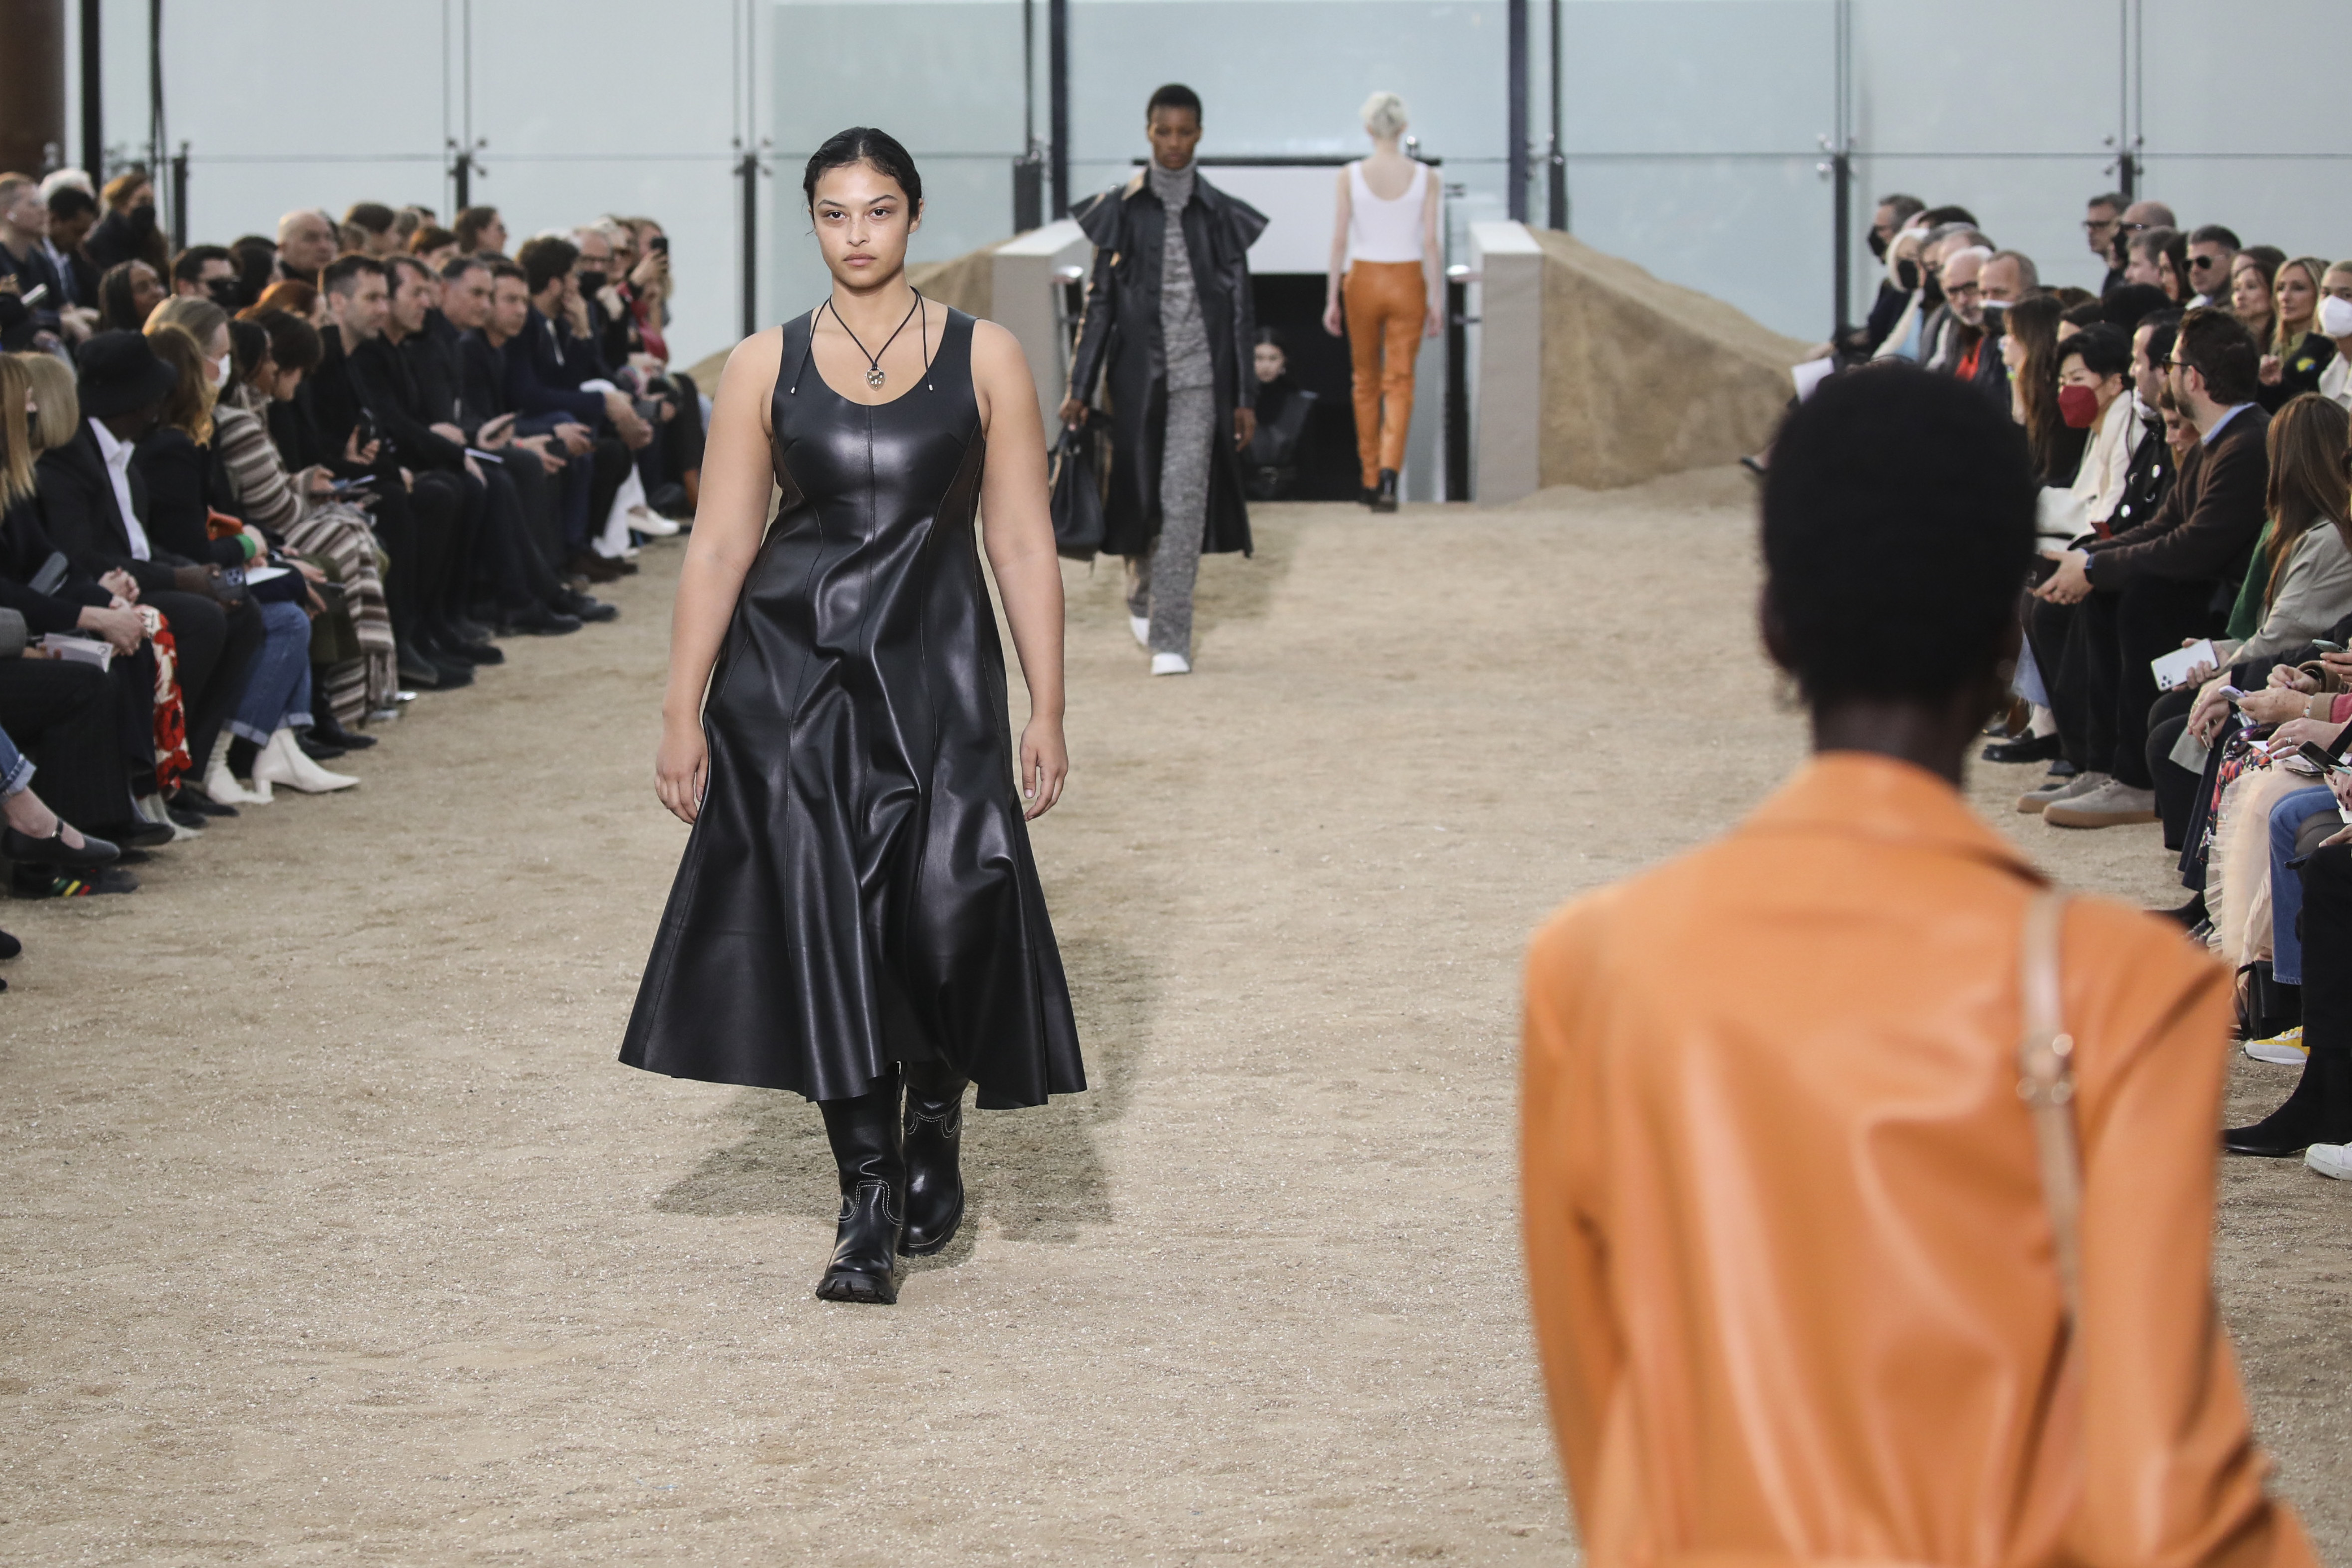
{"points": [[818, 370]]}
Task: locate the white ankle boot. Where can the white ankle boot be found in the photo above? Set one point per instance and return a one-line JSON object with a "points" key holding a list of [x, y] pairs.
{"points": [[284, 761], [1171, 664], [222, 785]]}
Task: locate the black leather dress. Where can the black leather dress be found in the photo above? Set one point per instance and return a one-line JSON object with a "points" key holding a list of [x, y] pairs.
{"points": [[858, 888]]}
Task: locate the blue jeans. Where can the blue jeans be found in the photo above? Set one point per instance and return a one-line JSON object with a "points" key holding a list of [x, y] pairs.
{"points": [[16, 767], [277, 692], [2287, 818]]}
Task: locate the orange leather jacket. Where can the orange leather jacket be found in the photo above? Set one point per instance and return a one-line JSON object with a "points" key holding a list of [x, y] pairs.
{"points": [[1793, 1279]]}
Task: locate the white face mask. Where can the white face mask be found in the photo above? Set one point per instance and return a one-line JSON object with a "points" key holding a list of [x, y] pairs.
{"points": [[2335, 317], [220, 372]]}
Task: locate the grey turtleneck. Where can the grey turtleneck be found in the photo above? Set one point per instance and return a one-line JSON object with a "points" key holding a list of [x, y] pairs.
{"points": [[1183, 334]]}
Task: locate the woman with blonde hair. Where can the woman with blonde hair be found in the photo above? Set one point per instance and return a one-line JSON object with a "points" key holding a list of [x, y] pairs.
{"points": [[1384, 259], [2298, 353]]}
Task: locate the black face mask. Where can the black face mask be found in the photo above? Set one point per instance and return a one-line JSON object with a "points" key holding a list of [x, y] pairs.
{"points": [[1907, 276], [226, 293], [592, 282], [1878, 245]]}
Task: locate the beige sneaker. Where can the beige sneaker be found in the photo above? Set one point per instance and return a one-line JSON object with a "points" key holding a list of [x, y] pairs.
{"points": [[2034, 801], [2111, 805]]}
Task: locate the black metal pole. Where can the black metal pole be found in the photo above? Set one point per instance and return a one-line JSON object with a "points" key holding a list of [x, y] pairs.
{"points": [[1518, 110], [93, 102], [1028, 171], [461, 180], [749, 171], [1058, 95], [180, 199], [155, 141], [1844, 174], [1556, 165], [1457, 387]]}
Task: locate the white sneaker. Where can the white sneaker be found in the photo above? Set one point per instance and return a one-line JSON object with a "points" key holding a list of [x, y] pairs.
{"points": [[2330, 1160], [2284, 1049], [1171, 664], [2036, 800], [1142, 626], [651, 523], [284, 761], [2113, 804]]}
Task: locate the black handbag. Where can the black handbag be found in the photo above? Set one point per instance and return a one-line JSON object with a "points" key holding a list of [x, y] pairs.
{"points": [[1078, 497]]}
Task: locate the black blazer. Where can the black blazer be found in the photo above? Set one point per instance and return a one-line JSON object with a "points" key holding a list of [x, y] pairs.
{"points": [[84, 520], [25, 549], [178, 475], [381, 378], [2206, 529]]}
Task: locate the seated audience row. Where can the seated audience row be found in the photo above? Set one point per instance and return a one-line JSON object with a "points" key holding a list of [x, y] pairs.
{"points": [[256, 496], [2186, 626]]}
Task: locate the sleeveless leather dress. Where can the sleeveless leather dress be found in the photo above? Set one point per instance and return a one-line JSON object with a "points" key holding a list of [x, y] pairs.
{"points": [[858, 889]]}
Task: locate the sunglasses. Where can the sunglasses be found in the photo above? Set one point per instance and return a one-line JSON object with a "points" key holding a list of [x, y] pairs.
{"points": [[2199, 263]]}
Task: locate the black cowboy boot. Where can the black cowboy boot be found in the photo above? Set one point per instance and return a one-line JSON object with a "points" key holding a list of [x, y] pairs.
{"points": [[934, 1135], [864, 1132], [2318, 1111]]}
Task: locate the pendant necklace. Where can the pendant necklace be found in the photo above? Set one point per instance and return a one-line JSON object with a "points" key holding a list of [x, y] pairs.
{"points": [[874, 376]]}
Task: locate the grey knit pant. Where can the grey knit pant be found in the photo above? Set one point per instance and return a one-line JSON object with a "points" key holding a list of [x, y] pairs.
{"points": [[1160, 582]]}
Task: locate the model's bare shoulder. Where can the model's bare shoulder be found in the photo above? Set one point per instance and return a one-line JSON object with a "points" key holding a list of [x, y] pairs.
{"points": [[756, 357], [995, 347]]}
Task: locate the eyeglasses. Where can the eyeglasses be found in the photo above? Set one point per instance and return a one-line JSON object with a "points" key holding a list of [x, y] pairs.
{"points": [[1954, 290], [2094, 224]]}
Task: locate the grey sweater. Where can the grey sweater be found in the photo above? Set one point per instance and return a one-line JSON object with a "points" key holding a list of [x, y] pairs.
{"points": [[1183, 335]]}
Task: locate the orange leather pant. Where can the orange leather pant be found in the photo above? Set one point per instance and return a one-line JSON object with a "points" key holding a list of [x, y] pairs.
{"points": [[1387, 303]]}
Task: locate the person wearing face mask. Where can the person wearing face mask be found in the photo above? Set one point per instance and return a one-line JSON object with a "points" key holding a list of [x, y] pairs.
{"points": [[175, 457], [2094, 395], [1892, 220], [128, 231], [2335, 321]]}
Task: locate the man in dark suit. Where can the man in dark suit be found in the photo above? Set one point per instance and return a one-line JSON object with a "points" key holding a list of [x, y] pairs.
{"points": [[23, 224], [94, 504], [2150, 588]]}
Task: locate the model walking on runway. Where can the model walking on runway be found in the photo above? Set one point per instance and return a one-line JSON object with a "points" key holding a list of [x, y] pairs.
{"points": [[1385, 256], [857, 908]]}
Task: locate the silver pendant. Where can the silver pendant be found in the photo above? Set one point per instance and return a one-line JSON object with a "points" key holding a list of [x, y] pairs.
{"points": [[874, 377]]}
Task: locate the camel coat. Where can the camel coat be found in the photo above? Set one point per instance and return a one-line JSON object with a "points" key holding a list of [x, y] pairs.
{"points": [[1792, 1277]]}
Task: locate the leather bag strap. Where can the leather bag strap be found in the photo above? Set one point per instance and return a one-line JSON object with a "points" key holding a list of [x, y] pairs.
{"points": [[2045, 1081]]}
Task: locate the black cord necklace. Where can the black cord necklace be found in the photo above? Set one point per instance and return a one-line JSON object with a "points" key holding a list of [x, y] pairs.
{"points": [[874, 375]]}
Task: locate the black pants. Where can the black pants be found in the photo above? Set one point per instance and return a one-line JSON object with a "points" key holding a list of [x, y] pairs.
{"points": [[517, 576], [216, 647], [541, 495], [2176, 786], [2054, 633], [2123, 633], [62, 714], [449, 518], [2327, 949]]}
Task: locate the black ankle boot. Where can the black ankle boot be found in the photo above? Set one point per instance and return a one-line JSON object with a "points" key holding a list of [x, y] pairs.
{"points": [[934, 1136], [2318, 1111], [1385, 498], [864, 1132]]}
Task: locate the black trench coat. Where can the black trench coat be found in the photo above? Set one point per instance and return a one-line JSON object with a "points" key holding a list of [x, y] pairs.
{"points": [[1119, 346]]}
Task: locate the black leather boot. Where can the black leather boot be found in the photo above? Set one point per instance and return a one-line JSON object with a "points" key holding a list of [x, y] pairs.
{"points": [[1385, 498], [2318, 1111], [934, 1136], [864, 1132]]}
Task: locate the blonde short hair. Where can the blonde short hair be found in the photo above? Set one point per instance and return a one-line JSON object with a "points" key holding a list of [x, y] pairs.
{"points": [[1383, 114], [60, 419]]}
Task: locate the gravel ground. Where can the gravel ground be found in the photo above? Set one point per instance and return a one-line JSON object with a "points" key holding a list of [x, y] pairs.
{"points": [[331, 1230]]}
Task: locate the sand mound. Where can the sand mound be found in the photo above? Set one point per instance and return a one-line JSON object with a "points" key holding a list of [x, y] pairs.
{"points": [[1642, 377]]}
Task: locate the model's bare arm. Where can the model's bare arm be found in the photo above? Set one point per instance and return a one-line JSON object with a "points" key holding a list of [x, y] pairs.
{"points": [[1434, 290], [1016, 525], [728, 523], [1341, 210]]}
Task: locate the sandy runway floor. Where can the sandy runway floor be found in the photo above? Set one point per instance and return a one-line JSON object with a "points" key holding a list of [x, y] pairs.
{"points": [[330, 1229]]}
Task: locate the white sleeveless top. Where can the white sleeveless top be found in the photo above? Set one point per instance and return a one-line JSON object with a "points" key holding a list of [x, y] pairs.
{"points": [[1382, 230]]}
